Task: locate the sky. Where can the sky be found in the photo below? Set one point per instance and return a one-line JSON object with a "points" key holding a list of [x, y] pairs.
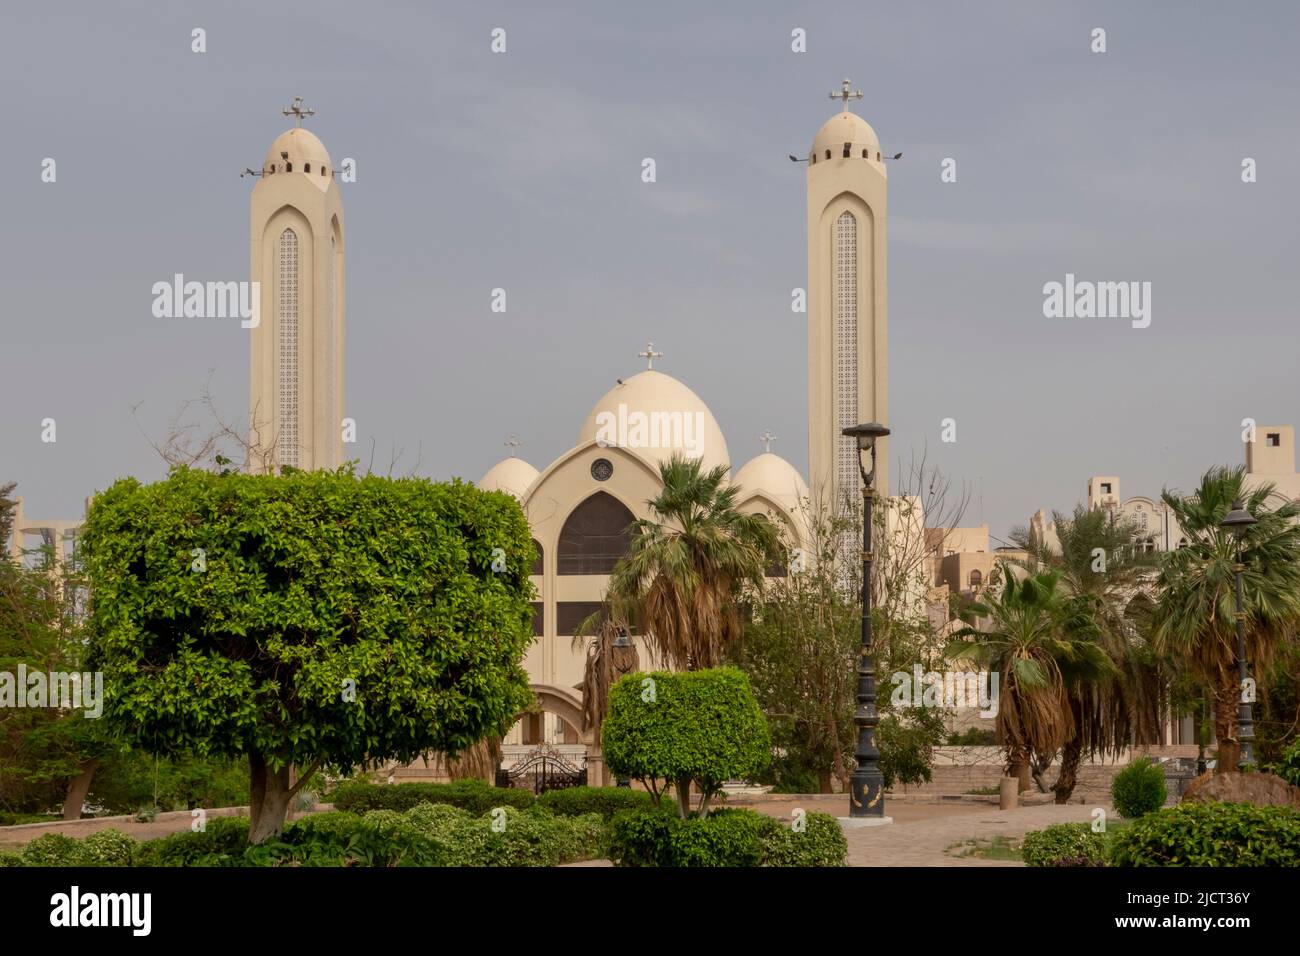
{"points": [[522, 170]]}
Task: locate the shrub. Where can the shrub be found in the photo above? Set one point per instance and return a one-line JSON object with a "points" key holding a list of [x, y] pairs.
{"points": [[474, 796], [1289, 767], [10, 859], [1139, 789], [220, 843], [821, 842], [52, 849], [702, 727], [723, 838], [1212, 834], [1064, 844], [641, 837], [605, 801], [108, 848]]}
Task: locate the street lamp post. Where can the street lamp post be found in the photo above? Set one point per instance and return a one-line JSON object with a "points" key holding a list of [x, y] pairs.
{"points": [[867, 785], [623, 652], [1237, 522]]}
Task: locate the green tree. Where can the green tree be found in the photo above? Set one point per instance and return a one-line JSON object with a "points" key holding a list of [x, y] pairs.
{"points": [[1038, 641], [688, 565], [307, 619], [1194, 615]]}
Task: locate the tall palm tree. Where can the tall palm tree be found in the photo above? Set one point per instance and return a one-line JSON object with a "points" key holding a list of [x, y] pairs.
{"points": [[1040, 643], [1101, 562], [1194, 615], [682, 578]]}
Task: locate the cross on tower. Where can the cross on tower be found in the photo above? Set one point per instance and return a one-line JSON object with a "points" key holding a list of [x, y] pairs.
{"points": [[767, 438], [847, 93], [650, 355], [512, 443], [297, 110]]}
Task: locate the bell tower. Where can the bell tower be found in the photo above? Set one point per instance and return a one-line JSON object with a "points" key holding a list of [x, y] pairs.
{"points": [[296, 374], [847, 356]]}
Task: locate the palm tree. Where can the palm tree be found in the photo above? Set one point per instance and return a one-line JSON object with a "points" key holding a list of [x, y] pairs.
{"points": [[1101, 562], [683, 576], [1040, 643], [1194, 616], [607, 661]]}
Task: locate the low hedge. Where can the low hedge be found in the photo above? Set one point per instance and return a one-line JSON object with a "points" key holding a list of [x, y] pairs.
{"points": [[102, 848], [1065, 844], [1211, 834], [473, 796], [1139, 789], [605, 801], [221, 843], [723, 838]]}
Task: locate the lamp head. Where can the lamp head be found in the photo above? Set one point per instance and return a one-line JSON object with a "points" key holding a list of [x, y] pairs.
{"points": [[866, 434], [1238, 519]]}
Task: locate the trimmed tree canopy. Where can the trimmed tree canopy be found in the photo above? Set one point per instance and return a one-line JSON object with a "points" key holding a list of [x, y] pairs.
{"points": [[307, 618], [698, 726]]}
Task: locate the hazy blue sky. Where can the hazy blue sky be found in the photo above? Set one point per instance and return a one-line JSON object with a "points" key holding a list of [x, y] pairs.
{"points": [[478, 170]]}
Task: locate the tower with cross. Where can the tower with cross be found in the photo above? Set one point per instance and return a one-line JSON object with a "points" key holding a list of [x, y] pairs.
{"points": [[296, 401], [847, 193]]}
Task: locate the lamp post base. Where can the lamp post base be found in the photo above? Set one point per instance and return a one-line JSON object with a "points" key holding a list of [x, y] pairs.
{"points": [[857, 823]]}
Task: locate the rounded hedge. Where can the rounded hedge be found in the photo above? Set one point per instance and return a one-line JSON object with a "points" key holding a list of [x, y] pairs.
{"points": [[1211, 834], [733, 837], [1139, 789], [1064, 844]]}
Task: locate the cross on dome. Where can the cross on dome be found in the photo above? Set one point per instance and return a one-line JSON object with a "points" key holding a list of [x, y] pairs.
{"points": [[512, 443], [298, 110], [650, 355], [847, 93], [767, 438]]}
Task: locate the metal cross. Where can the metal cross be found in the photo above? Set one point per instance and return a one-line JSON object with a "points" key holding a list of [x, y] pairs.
{"points": [[512, 442], [650, 355], [767, 438], [847, 93], [298, 110]]}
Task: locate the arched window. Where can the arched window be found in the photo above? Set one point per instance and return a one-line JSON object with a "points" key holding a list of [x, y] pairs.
{"points": [[864, 155], [288, 167], [828, 154], [287, 440], [322, 170], [976, 579], [595, 536], [306, 167], [539, 564]]}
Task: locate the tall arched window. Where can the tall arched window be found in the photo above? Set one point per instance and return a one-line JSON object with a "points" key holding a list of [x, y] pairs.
{"points": [[332, 316], [846, 349], [288, 325], [539, 565], [595, 536]]}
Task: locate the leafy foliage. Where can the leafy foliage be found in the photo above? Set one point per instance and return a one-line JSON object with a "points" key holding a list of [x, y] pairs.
{"points": [[1065, 844], [474, 796], [310, 585], [724, 838], [603, 801], [701, 727], [1289, 767], [1139, 789], [1212, 834], [906, 741]]}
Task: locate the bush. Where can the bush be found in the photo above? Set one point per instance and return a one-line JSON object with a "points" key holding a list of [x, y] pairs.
{"points": [[10, 859], [1139, 789], [723, 838], [221, 843], [474, 796], [605, 801], [1212, 834], [1289, 767], [52, 849], [821, 842], [108, 848], [1065, 844], [699, 726]]}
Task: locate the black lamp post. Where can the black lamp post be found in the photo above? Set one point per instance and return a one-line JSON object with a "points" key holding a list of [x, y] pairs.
{"points": [[867, 785], [622, 651], [1237, 522]]}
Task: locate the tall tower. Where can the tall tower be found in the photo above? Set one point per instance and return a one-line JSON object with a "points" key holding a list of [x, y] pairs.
{"points": [[296, 380], [847, 363]]}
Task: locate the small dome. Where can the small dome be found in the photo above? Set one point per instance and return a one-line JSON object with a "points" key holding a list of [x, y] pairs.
{"points": [[511, 475], [775, 477], [656, 415], [299, 148], [844, 128]]}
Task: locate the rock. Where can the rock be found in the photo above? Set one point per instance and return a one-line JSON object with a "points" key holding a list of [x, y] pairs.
{"points": [[1261, 789]]}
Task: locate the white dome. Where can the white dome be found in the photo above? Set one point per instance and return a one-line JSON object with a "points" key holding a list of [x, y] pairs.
{"points": [[511, 475], [844, 128], [656, 415], [775, 477], [304, 150]]}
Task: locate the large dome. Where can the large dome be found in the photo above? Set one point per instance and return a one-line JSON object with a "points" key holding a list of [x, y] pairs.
{"points": [[775, 477], [511, 475], [656, 415], [844, 128]]}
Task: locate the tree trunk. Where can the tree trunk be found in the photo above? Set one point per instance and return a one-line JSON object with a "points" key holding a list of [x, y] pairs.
{"points": [[1018, 766], [824, 781], [78, 787], [1226, 699], [684, 797], [269, 794], [1071, 757]]}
